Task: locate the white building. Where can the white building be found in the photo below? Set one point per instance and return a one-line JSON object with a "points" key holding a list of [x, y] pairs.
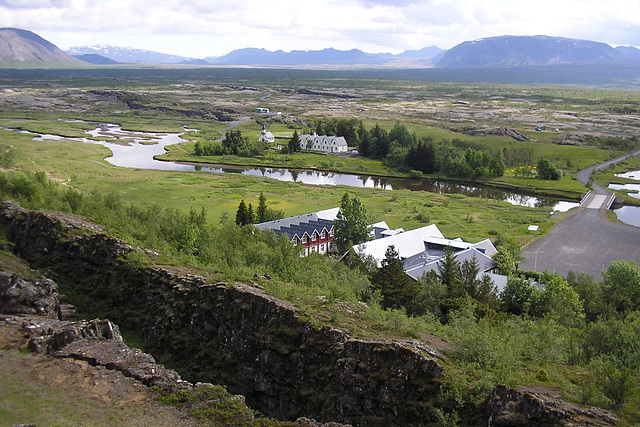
{"points": [[324, 143], [266, 136], [422, 249]]}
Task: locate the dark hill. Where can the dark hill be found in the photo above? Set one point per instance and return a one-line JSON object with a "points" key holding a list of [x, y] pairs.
{"points": [[629, 51], [21, 48], [522, 51], [252, 56], [95, 59]]}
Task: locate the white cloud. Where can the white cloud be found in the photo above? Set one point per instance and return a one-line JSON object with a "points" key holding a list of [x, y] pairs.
{"points": [[215, 27]]}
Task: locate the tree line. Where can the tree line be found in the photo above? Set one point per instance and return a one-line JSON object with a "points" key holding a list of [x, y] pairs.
{"points": [[233, 143], [402, 149]]}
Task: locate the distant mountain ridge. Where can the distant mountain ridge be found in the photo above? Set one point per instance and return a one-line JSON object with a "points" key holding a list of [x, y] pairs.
{"points": [[252, 56], [522, 51], [95, 59], [22, 48], [127, 54]]}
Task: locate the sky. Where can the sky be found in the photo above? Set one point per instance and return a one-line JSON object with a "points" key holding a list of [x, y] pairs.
{"points": [[202, 28]]}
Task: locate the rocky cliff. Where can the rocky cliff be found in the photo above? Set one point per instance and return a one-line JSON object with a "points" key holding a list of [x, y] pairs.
{"points": [[235, 334]]}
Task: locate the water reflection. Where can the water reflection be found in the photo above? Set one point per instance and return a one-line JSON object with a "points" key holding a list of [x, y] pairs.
{"points": [[137, 150], [633, 190], [630, 175], [629, 215]]}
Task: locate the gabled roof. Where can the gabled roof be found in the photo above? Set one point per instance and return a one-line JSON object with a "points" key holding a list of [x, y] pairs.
{"points": [[407, 244], [416, 269], [285, 222], [307, 228]]}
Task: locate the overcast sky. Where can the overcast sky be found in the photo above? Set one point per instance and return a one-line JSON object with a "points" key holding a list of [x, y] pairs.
{"points": [[200, 28]]}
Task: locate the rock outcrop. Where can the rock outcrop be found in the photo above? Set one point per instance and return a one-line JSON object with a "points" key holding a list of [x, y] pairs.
{"points": [[20, 295], [509, 407]]}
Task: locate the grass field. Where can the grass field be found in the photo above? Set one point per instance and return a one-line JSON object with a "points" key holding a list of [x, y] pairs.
{"points": [[168, 100]]}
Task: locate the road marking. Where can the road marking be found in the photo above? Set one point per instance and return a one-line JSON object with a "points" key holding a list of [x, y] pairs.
{"points": [[597, 201]]}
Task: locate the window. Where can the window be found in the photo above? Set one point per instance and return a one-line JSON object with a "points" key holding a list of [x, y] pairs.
{"points": [[313, 236], [323, 235], [304, 239]]}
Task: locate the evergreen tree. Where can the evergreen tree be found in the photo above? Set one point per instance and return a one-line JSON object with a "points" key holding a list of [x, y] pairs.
{"points": [[294, 143], [234, 142], [449, 273], [251, 216], [469, 276], [262, 208], [380, 143], [397, 289], [351, 224], [242, 214]]}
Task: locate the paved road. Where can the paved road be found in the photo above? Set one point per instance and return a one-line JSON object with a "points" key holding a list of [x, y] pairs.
{"points": [[585, 241]]}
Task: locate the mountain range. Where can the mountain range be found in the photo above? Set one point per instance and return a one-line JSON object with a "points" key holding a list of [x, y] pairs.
{"points": [[523, 51], [498, 52], [24, 48]]}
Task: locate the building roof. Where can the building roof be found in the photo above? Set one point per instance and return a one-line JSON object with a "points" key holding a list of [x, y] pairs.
{"points": [[330, 214], [427, 261], [338, 141], [407, 244], [307, 228], [286, 222]]}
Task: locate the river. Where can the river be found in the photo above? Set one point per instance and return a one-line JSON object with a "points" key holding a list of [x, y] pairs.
{"points": [[137, 150]]}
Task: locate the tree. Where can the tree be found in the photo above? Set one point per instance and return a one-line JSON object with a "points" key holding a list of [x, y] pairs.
{"points": [[294, 143], [380, 143], [397, 289], [351, 224], [546, 170], [422, 156], [251, 216], [505, 262], [497, 166], [234, 142], [469, 271], [517, 296], [622, 285], [561, 301], [402, 136], [242, 214], [262, 208], [449, 273]]}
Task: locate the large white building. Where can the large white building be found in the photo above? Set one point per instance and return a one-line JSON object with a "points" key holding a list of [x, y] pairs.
{"points": [[422, 249], [324, 143]]}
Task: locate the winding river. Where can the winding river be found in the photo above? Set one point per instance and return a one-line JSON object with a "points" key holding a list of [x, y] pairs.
{"points": [[138, 149]]}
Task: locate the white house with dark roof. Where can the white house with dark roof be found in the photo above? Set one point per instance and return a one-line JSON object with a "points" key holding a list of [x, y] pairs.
{"points": [[324, 143]]}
